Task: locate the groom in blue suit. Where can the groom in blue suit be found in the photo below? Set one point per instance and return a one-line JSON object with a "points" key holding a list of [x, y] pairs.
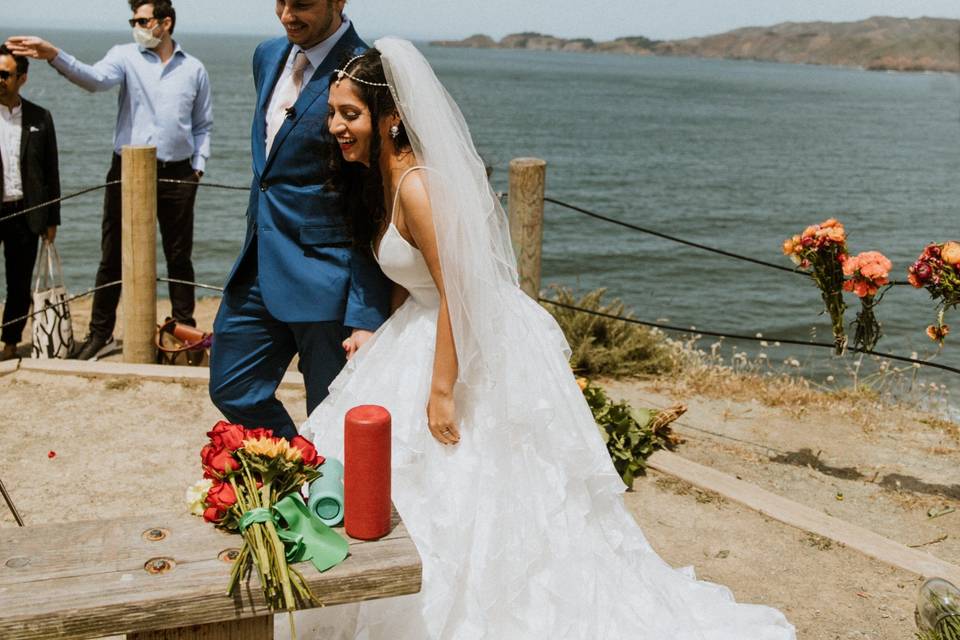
{"points": [[299, 285]]}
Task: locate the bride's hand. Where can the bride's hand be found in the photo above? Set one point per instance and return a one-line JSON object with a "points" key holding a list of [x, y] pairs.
{"points": [[356, 340], [441, 411]]}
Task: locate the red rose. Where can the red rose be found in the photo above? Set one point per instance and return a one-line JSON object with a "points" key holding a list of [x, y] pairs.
{"points": [[220, 461], [227, 435], [923, 271], [222, 496], [307, 450], [214, 515], [257, 434]]}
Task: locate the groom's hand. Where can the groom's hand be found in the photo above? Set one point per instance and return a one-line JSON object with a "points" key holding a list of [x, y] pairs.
{"points": [[356, 340]]}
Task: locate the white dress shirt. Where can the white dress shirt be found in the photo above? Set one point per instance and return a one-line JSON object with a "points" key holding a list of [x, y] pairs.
{"points": [[11, 131], [315, 55], [168, 105]]}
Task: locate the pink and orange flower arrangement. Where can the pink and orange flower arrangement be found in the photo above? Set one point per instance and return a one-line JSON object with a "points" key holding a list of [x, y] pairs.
{"points": [[822, 248], [937, 270], [866, 273]]}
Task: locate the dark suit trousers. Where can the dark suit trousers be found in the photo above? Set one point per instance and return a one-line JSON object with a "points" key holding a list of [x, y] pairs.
{"points": [[175, 215], [252, 350], [19, 253]]}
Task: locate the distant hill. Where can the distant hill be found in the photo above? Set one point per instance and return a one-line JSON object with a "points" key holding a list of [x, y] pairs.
{"points": [[880, 43]]}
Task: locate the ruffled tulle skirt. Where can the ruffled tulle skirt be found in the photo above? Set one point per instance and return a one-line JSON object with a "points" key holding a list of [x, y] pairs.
{"points": [[521, 527]]}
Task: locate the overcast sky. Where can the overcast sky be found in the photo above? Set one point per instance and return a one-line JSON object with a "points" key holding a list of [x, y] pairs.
{"points": [[423, 19]]}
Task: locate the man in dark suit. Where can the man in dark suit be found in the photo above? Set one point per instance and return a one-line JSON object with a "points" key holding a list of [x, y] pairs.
{"points": [[30, 176], [299, 285]]}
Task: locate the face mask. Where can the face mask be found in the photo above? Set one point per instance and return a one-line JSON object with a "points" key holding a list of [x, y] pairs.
{"points": [[145, 38]]}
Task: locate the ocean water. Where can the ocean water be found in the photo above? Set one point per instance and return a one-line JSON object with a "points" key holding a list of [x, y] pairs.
{"points": [[737, 155]]}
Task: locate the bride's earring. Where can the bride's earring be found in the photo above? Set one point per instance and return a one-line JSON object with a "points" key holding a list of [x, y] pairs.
{"points": [[394, 131]]}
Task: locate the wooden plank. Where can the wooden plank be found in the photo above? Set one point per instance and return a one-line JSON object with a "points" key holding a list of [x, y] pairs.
{"points": [[157, 372], [254, 629], [803, 517], [9, 366], [43, 553], [88, 580]]}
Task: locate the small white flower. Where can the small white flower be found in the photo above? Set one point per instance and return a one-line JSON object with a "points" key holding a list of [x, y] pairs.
{"points": [[196, 496], [830, 378], [763, 343]]}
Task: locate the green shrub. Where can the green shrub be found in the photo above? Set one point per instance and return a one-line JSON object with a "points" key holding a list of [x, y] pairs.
{"points": [[631, 435], [607, 347]]}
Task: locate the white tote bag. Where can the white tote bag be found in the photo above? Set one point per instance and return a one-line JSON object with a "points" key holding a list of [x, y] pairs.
{"points": [[52, 328]]}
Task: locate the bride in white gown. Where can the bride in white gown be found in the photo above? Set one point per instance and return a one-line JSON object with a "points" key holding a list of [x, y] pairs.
{"points": [[499, 471]]}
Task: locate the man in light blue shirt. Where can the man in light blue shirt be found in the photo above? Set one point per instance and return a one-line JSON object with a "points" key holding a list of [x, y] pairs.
{"points": [[165, 102]]}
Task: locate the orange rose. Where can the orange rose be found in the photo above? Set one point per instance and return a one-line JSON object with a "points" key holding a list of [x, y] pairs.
{"points": [[950, 253], [836, 234]]}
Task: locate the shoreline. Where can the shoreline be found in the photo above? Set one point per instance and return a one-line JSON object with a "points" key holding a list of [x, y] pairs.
{"points": [[879, 43], [825, 65]]}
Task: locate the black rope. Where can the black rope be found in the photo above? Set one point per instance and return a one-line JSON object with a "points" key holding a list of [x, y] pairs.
{"points": [[192, 284], [754, 338], [204, 184], [61, 199], [62, 302], [689, 243]]}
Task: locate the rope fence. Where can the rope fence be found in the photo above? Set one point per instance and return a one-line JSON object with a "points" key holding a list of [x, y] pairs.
{"points": [[753, 338], [689, 243], [554, 201]]}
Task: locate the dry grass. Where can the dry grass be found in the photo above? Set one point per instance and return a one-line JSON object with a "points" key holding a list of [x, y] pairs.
{"points": [[863, 394], [606, 347]]}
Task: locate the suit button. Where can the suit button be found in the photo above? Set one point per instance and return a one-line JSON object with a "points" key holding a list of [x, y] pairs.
{"points": [[263, 186]]}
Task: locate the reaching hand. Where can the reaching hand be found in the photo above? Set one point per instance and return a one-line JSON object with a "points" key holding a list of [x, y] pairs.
{"points": [[356, 340], [441, 418], [32, 47]]}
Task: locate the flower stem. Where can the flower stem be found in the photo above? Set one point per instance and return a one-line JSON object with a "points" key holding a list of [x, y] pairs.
{"points": [[289, 603]]}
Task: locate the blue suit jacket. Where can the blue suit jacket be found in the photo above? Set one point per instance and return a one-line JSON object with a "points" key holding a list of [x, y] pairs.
{"points": [[308, 270]]}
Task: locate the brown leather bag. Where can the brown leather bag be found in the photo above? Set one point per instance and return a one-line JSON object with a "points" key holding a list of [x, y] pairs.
{"points": [[180, 344]]}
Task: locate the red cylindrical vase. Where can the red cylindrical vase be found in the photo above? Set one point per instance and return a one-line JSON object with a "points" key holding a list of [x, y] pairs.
{"points": [[366, 472]]}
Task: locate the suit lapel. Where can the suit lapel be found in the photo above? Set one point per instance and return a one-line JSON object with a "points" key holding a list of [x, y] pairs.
{"points": [[274, 69], [26, 120], [318, 85]]}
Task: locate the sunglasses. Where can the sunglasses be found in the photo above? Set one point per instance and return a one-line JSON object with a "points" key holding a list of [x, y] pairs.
{"points": [[6, 75], [140, 22]]}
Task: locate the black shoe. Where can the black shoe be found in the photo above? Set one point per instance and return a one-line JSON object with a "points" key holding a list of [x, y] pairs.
{"points": [[95, 347]]}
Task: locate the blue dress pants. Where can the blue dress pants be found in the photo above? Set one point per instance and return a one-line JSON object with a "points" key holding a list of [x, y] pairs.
{"points": [[252, 350]]}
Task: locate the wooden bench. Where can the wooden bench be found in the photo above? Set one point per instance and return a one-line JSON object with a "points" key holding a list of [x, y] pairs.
{"points": [[165, 576]]}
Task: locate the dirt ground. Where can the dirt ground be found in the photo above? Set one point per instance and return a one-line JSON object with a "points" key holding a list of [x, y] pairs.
{"points": [[123, 446]]}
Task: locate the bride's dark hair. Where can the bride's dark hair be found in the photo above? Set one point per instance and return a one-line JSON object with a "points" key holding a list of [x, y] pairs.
{"points": [[362, 187]]}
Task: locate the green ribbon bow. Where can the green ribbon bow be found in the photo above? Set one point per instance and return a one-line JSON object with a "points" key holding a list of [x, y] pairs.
{"points": [[304, 535]]}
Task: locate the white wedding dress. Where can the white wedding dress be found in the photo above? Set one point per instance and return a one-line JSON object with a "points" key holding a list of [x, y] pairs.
{"points": [[521, 526]]}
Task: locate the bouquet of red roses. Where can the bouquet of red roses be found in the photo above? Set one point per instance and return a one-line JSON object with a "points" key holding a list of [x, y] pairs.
{"points": [[257, 479], [938, 271], [823, 248]]}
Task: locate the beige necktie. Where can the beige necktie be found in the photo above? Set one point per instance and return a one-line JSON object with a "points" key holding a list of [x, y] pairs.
{"points": [[287, 96]]}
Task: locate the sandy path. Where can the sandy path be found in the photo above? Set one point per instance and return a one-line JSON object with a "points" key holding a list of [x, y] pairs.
{"points": [[125, 447]]}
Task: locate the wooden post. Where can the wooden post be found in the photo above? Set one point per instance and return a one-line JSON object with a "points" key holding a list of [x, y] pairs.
{"points": [[528, 178], [139, 248]]}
